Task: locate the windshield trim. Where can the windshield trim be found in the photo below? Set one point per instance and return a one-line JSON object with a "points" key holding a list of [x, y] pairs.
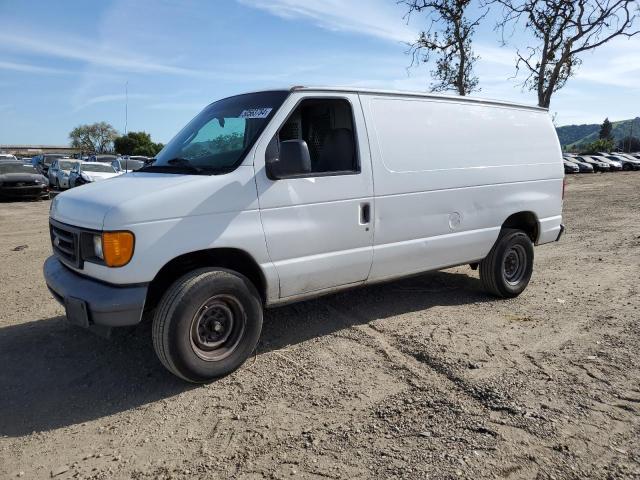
{"points": [[181, 170]]}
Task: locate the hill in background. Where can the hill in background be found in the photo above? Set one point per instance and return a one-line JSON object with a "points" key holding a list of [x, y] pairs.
{"points": [[576, 136]]}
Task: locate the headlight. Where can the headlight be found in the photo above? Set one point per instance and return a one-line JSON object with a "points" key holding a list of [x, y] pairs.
{"points": [[116, 248], [97, 246]]}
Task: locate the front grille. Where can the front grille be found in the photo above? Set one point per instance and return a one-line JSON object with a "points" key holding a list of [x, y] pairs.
{"points": [[20, 184], [65, 242]]}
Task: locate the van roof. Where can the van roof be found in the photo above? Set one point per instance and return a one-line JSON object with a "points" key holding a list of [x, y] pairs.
{"points": [[401, 93]]}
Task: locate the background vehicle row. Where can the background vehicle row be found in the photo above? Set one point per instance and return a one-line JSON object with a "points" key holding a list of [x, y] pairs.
{"points": [[602, 162]]}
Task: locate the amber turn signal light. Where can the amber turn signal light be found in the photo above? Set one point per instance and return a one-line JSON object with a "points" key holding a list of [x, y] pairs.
{"points": [[117, 248]]}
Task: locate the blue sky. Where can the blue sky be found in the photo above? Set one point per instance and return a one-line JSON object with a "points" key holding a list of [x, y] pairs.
{"points": [[66, 62]]}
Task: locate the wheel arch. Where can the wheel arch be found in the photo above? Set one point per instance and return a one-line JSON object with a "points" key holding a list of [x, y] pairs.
{"points": [[526, 221], [233, 259]]}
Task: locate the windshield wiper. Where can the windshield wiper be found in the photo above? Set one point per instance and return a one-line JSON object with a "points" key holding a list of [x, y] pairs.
{"points": [[174, 163], [183, 162]]}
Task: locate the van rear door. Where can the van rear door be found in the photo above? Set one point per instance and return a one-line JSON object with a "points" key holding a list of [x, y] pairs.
{"points": [[318, 221]]}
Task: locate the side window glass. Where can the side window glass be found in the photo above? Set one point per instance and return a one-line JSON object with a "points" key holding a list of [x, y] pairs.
{"points": [[326, 127]]}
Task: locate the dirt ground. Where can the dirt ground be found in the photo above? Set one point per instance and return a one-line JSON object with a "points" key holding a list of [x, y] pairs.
{"points": [[422, 378]]}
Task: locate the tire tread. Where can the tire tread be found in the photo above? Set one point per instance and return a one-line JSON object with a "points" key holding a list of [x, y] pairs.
{"points": [[487, 268], [165, 310]]}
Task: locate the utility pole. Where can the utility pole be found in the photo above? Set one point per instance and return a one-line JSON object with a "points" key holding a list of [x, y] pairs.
{"points": [[126, 105]]}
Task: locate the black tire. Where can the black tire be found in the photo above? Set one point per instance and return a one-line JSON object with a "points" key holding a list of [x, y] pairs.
{"points": [[506, 271], [207, 324]]}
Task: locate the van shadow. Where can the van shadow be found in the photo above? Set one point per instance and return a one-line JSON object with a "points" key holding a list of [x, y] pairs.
{"points": [[55, 375]]}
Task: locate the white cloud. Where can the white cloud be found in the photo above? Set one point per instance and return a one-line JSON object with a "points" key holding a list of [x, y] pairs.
{"points": [[27, 68], [615, 64], [179, 106], [80, 49], [378, 18], [115, 97]]}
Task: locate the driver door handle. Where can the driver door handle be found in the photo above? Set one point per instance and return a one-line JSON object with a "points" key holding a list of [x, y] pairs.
{"points": [[365, 213]]}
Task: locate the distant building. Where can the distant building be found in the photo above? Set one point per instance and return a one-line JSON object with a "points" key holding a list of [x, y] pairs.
{"points": [[32, 150]]}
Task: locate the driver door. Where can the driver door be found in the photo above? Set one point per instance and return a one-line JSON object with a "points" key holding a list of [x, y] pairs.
{"points": [[317, 223]]}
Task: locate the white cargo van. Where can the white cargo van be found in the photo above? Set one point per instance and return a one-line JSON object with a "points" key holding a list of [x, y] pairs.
{"points": [[277, 196]]}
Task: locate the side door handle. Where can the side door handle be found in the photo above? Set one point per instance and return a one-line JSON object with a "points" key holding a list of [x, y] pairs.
{"points": [[365, 213]]}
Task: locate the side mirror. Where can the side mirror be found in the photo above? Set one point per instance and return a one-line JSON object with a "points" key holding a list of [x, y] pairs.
{"points": [[287, 159]]}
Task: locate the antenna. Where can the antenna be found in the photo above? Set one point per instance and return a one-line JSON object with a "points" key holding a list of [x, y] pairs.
{"points": [[126, 105]]}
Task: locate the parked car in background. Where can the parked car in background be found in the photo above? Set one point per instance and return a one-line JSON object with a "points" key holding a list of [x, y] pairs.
{"points": [[583, 166], [633, 156], [88, 172], [59, 171], [43, 161], [628, 163], [102, 157], [570, 167], [615, 165], [22, 181], [131, 164], [598, 165], [6, 157]]}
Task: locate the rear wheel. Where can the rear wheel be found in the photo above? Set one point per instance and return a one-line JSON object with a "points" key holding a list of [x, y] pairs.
{"points": [[207, 324], [506, 271]]}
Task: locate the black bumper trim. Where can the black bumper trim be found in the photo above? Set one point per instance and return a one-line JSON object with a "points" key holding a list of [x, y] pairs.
{"points": [[107, 305], [560, 232]]}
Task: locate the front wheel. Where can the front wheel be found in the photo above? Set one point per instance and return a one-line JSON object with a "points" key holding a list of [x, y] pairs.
{"points": [[207, 324], [506, 271]]}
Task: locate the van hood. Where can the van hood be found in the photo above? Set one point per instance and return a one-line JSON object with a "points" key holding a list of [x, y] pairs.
{"points": [[136, 197]]}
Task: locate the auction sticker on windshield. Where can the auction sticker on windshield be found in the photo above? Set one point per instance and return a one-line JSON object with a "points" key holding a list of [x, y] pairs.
{"points": [[256, 113]]}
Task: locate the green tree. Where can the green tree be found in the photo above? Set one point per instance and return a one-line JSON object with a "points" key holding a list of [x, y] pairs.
{"points": [[600, 145], [137, 143], [93, 138], [606, 129]]}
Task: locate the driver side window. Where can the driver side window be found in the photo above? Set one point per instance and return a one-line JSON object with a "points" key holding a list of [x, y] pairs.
{"points": [[324, 127]]}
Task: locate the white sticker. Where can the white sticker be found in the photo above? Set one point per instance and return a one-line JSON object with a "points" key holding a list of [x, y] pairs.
{"points": [[256, 113]]}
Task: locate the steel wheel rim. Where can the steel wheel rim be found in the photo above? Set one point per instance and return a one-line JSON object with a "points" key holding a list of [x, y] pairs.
{"points": [[217, 328], [514, 265]]}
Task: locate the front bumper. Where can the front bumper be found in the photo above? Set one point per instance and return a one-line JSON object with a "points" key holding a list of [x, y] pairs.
{"points": [[26, 191], [90, 302]]}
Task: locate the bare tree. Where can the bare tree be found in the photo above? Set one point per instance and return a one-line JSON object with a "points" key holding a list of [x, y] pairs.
{"points": [[448, 36], [563, 30]]}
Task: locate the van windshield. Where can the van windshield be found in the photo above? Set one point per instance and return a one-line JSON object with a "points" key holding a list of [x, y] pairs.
{"points": [[217, 139]]}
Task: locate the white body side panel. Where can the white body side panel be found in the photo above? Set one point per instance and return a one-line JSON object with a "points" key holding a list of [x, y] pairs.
{"points": [[447, 174]]}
